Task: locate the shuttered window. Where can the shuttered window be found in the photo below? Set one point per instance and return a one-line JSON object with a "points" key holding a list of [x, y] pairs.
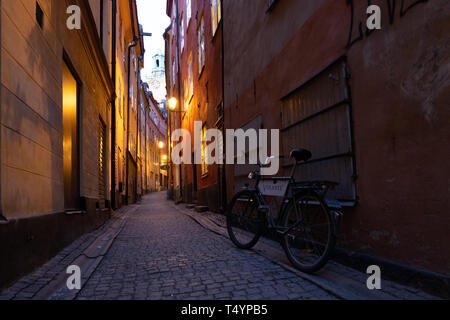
{"points": [[102, 163], [204, 149], [317, 116]]}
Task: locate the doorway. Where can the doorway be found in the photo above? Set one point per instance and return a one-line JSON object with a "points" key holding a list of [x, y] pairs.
{"points": [[102, 163], [70, 140]]}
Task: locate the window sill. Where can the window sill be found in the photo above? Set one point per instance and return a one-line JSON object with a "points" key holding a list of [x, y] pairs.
{"points": [[75, 212]]}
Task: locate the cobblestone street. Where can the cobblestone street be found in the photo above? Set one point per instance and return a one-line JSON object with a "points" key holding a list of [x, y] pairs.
{"points": [[160, 253]]}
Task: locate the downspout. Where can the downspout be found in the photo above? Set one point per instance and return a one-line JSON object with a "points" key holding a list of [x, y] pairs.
{"points": [[179, 93], [224, 177], [145, 149], [130, 46], [2, 218], [113, 106], [138, 127]]}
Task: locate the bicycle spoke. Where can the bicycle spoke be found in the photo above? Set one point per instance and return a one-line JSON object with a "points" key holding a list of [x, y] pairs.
{"points": [[308, 233], [242, 222]]}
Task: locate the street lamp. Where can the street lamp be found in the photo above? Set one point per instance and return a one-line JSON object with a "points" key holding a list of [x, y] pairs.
{"points": [[173, 103], [161, 145]]}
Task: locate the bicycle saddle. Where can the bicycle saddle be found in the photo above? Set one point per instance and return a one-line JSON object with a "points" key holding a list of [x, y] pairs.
{"points": [[301, 154]]}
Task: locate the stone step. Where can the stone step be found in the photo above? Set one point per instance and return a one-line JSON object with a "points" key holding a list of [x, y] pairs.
{"points": [[201, 209]]}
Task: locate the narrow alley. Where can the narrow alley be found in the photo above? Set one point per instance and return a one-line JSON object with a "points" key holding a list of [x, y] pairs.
{"points": [[158, 252], [224, 150]]}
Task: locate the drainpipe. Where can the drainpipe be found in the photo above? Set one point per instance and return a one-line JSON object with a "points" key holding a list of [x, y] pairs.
{"points": [[138, 127], [130, 46], [2, 218], [179, 93], [145, 149], [113, 105], [224, 178]]}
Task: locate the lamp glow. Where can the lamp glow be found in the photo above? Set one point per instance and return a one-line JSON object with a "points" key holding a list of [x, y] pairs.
{"points": [[173, 103]]}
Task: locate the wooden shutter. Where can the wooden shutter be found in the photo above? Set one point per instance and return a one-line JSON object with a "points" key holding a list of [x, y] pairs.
{"points": [[317, 116], [102, 164]]}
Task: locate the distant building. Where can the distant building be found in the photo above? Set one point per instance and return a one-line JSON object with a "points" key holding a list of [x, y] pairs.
{"points": [[194, 77], [153, 145], [157, 79]]}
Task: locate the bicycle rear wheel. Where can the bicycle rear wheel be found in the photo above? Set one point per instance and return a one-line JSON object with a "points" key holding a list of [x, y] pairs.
{"points": [[244, 223], [310, 233]]}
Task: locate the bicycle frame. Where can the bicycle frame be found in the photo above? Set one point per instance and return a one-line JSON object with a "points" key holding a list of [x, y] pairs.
{"points": [[300, 196], [287, 198], [293, 189]]}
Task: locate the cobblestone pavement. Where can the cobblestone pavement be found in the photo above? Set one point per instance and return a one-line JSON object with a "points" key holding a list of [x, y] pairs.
{"points": [[160, 253]]}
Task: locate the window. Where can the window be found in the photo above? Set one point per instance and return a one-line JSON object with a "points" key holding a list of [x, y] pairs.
{"points": [[186, 91], [70, 139], [119, 95], [190, 81], [102, 13], [201, 45], [317, 116], [102, 163], [182, 33], [216, 15], [271, 4], [39, 16], [204, 149], [174, 15], [173, 72], [188, 12], [132, 97]]}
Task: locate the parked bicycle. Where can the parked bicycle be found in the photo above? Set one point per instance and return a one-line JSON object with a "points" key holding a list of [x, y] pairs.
{"points": [[306, 225]]}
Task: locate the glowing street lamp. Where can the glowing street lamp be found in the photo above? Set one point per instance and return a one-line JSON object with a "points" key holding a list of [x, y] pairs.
{"points": [[161, 145], [173, 103]]}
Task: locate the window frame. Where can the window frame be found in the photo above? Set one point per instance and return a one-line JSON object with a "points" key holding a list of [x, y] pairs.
{"points": [[188, 12], [190, 79], [204, 150], [216, 15], [201, 44], [182, 33]]}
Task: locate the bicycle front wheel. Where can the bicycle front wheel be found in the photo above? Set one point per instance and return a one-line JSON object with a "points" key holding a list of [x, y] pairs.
{"points": [[310, 234], [244, 223]]}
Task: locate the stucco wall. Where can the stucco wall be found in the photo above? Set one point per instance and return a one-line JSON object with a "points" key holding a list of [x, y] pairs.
{"points": [[32, 154], [399, 84]]}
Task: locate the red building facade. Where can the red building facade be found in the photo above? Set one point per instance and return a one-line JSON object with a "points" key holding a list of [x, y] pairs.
{"points": [[371, 105], [194, 78]]}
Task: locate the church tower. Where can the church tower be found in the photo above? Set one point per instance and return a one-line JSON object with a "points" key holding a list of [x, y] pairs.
{"points": [[157, 80]]}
